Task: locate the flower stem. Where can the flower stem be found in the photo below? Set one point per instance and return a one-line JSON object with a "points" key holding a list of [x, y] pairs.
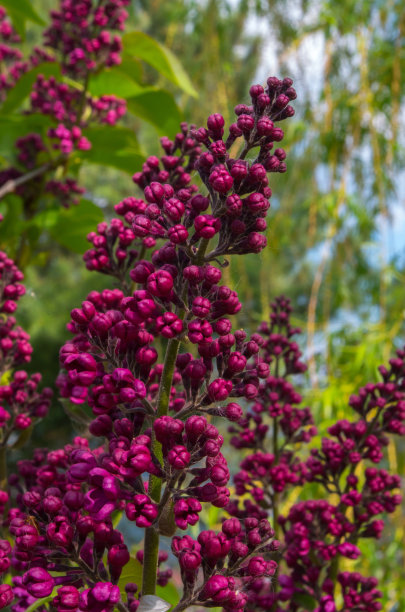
{"points": [[151, 547]]}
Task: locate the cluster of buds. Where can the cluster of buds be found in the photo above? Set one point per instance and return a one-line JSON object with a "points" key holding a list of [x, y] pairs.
{"points": [[112, 364], [232, 215], [13, 65], [317, 533], [82, 42], [20, 401], [221, 568], [64, 103], [80, 33]]}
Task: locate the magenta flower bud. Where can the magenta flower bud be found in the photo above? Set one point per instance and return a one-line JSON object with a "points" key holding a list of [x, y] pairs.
{"points": [[141, 226], [67, 599], [255, 91], [146, 356], [189, 561], [169, 325], [239, 549], [52, 504], [174, 209], [220, 180], [154, 193], [60, 532], [233, 412], [254, 538], [219, 389], [199, 332], [142, 271], [178, 234], [205, 161], [215, 124], [277, 134], [186, 512], [257, 566], [195, 426], [199, 203], [236, 362], [231, 527], [193, 274], [212, 275], [6, 595], [239, 170], [255, 242], [201, 307], [22, 421], [143, 511], [207, 226], [234, 205], [264, 126], [38, 582], [103, 593], [219, 475], [178, 457], [195, 370], [168, 429], [160, 283], [257, 203], [118, 556], [217, 589], [351, 551], [218, 149], [245, 123], [27, 537]]}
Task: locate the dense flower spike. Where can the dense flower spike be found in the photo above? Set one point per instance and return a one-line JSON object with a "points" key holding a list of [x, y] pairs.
{"points": [[317, 533], [21, 403], [111, 364]]}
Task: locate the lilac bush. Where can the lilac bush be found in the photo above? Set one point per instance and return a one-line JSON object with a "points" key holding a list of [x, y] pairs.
{"points": [[155, 452], [81, 41]]}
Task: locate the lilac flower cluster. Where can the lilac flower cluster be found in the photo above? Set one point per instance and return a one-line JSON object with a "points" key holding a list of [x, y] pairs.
{"points": [[80, 32], [317, 532], [82, 42], [20, 401], [13, 65], [158, 469]]}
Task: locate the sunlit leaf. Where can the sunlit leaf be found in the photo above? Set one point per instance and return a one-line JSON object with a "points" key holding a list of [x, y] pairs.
{"points": [[159, 108], [142, 46]]}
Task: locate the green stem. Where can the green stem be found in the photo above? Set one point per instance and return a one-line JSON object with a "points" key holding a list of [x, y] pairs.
{"points": [[275, 496], [151, 547]]}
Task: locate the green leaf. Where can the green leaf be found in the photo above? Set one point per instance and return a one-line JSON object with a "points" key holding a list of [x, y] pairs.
{"points": [[42, 602], [13, 127], [159, 108], [21, 11], [142, 46], [117, 518], [23, 87], [305, 600], [113, 146], [12, 224], [23, 438], [169, 593], [73, 224], [80, 419], [131, 67], [132, 572], [114, 81]]}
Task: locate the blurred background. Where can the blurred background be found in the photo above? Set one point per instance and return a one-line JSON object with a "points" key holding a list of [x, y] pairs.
{"points": [[336, 238]]}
